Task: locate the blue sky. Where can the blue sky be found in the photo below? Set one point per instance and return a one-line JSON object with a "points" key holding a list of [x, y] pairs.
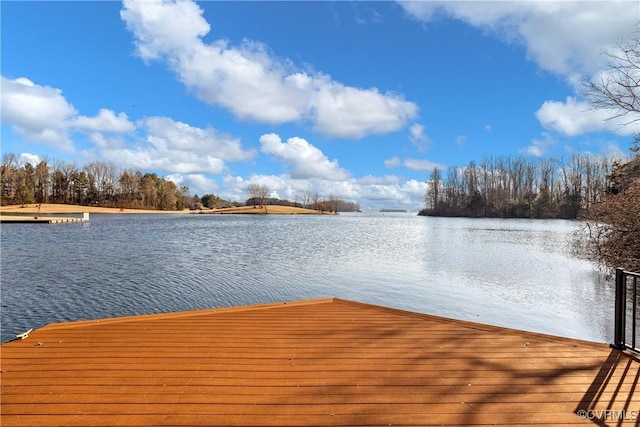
{"points": [[359, 100]]}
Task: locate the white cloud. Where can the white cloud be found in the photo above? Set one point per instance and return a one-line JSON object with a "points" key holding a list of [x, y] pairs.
{"points": [[100, 141], [201, 182], [154, 159], [178, 148], [40, 113], [539, 147], [172, 135], [165, 28], [421, 164], [419, 138], [197, 183], [563, 37], [43, 115], [370, 192], [379, 180], [560, 36], [306, 160], [250, 82], [105, 121], [573, 117], [413, 164], [342, 111], [408, 194], [393, 162], [25, 158]]}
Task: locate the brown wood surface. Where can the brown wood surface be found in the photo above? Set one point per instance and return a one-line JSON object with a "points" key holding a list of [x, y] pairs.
{"points": [[322, 362]]}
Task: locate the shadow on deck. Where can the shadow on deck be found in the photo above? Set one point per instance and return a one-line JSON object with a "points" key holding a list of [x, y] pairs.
{"points": [[323, 362]]}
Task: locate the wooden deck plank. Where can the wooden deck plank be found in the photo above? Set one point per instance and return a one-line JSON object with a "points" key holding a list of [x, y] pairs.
{"points": [[323, 362]]}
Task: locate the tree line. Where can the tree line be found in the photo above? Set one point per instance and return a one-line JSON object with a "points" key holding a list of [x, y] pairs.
{"points": [[104, 184], [259, 196], [521, 187], [96, 183]]}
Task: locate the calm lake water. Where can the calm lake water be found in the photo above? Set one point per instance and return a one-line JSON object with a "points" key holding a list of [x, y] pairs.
{"points": [[514, 273]]}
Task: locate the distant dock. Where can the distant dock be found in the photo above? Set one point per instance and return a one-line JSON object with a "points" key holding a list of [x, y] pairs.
{"points": [[36, 219]]}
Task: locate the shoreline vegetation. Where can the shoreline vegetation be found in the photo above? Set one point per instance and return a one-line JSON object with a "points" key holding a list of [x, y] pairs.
{"points": [[264, 210], [103, 185], [521, 187], [57, 208]]}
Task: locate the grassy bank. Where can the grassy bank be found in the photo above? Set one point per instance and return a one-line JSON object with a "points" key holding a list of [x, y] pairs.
{"points": [[50, 208], [264, 210]]}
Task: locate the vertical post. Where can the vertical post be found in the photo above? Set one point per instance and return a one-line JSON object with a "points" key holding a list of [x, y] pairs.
{"points": [[620, 309], [634, 313]]}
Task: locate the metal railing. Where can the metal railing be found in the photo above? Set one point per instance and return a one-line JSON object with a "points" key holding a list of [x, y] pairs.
{"points": [[626, 318]]}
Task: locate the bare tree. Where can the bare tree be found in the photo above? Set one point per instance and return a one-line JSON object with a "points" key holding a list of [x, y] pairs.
{"points": [[42, 182], [259, 193], [129, 188], [333, 203], [434, 188], [305, 198], [618, 88], [315, 200], [614, 223], [8, 176]]}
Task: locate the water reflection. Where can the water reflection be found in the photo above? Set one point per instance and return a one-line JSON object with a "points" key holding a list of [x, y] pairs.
{"points": [[515, 273]]}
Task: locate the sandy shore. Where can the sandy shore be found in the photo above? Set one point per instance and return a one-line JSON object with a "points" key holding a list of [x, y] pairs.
{"points": [[49, 208]]}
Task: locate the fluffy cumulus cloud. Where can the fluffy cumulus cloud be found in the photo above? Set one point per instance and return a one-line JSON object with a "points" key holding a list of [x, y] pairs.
{"points": [[304, 159], [563, 37], [43, 115], [574, 117], [560, 36], [178, 148], [408, 194], [172, 135], [252, 83], [40, 113], [194, 181], [343, 111], [105, 121]]}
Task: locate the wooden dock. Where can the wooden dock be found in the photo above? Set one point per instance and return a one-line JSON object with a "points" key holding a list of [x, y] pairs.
{"points": [[323, 362], [36, 219]]}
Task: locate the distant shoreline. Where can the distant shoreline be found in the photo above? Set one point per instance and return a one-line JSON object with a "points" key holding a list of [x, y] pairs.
{"points": [[264, 210], [51, 208]]}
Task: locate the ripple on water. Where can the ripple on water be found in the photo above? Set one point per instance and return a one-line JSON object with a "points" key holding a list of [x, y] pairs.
{"points": [[507, 272]]}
